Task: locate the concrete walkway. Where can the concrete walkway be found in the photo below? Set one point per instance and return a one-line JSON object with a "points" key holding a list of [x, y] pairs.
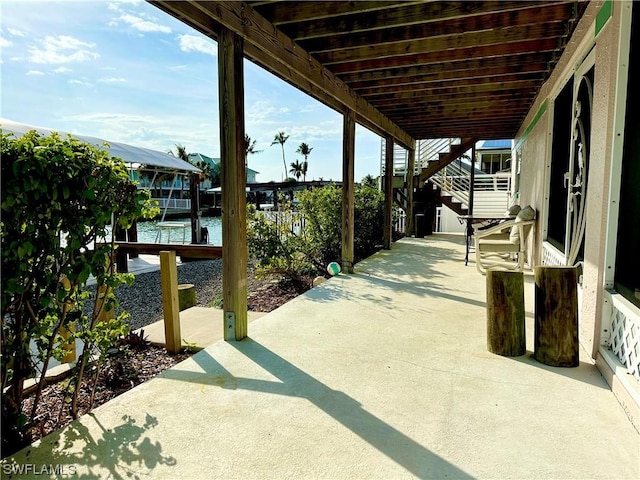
{"points": [[380, 374]]}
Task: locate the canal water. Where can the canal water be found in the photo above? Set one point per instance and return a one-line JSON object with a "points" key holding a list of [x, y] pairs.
{"points": [[148, 230]]}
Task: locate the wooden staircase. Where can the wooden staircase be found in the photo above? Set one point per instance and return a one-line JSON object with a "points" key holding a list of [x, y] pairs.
{"points": [[455, 152]]}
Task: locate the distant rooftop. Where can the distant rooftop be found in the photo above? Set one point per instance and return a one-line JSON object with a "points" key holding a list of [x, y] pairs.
{"points": [[494, 145], [200, 157]]}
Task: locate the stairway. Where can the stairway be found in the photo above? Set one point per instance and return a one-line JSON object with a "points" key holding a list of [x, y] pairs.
{"points": [[444, 195]]}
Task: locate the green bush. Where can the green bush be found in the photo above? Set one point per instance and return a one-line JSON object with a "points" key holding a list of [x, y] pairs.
{"points": [[59, 196], [322, 208]]}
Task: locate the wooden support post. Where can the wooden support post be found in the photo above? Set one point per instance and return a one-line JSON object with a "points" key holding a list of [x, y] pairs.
{"points": [[234, 213], [505, 313], [556, 313], [388, 193], [348, 197], [194, 193], [411, 163], [170, 310]]}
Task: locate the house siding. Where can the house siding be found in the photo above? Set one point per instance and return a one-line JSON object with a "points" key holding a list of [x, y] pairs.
{"points": [[534, 147]]}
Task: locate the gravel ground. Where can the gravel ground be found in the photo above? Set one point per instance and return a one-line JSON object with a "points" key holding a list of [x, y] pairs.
{"points": [[143, 300]]}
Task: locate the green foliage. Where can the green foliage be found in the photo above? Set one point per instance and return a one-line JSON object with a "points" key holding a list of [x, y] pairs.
{"points": [[59, 197], [279, 250], [322, 209]]}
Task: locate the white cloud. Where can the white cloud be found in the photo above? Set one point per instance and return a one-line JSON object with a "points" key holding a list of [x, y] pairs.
{"points": [[194, 43], [143, 25], [78, 82], [15, 32], [178, 68], [62, 49], [62, 70], [35, 72], [113, 80], [4, 43]]}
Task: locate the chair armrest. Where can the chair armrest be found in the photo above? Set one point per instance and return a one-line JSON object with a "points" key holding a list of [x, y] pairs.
{"points": [[498, 229]]}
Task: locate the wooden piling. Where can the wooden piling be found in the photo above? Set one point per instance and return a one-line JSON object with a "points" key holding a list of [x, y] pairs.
{"points": [[505, 313], [556, 316]]}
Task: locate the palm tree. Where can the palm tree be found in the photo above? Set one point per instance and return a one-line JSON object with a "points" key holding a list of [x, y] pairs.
{"points": [[305, 150], [281, 138], [296, 169], [249, 148]]}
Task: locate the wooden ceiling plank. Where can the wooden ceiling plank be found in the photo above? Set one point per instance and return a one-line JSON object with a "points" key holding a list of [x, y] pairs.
{"points": [[407, 15], [483, 84], [271, 48], [485, 51], [411, 46], [280, 13], [539, 60], [539, 14], [399, 84]]}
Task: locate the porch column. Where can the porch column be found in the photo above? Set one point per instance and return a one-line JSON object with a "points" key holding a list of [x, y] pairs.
{"points": [[411, 163], [388, 193], [234, 226], [472, 178], [348, 197]]}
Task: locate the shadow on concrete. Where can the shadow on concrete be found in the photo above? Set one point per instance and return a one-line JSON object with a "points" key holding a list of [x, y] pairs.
{"points": [[118, 448], [585, 372], [406, 452]]}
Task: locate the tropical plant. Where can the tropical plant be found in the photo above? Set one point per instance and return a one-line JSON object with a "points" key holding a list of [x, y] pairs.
{"points": [[249, 148], [281, 139], [297, 169], [59, 197], [369, 181], [304, 149]]}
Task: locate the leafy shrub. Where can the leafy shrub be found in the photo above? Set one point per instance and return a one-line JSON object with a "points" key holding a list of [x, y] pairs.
{"points": [[277, 247], [59, 196]]}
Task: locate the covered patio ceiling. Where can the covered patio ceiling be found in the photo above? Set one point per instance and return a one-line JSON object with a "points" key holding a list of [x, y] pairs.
{"points": [[435, 69]]}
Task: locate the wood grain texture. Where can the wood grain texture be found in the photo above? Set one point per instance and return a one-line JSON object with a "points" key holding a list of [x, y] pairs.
{"points": [[505, 313], [234, 221], [170, 309], [348, 193], [388, 194], [556, 316]]}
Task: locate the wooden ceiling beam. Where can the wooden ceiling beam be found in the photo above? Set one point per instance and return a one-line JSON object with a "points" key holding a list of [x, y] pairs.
{"points": [[505, 96], [534, 60], [485, 51], [539, 14], [488, 79], [406, 15], [469, 116], [454, 92], [270, 48], [501, 106], [280, 13], [410, 46]]}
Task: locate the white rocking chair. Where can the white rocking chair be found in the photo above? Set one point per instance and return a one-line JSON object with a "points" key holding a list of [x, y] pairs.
{"points": [[503, 246]]}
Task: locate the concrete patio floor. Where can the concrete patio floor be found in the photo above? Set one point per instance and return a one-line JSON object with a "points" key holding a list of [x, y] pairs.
{"points": [[380, 374]]}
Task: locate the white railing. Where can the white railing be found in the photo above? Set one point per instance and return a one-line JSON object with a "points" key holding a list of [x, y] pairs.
{"points": [[426, 151], [454, 180], [293, 221], [622, 337], [399, 220], [178, 203]]}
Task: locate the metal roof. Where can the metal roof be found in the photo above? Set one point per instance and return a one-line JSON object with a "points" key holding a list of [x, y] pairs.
{"points": [[128, 153]]}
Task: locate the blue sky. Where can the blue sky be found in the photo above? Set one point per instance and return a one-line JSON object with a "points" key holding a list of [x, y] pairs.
{"points": [[126, 71]]}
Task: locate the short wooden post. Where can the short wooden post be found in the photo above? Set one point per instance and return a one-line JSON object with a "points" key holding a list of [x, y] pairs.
{"points": [[104, 315], [556, 316], [170, 310], [505, 313], [186, 296]]}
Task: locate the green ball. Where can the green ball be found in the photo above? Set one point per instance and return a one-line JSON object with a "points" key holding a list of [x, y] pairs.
{"points": [[333, 268]]}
